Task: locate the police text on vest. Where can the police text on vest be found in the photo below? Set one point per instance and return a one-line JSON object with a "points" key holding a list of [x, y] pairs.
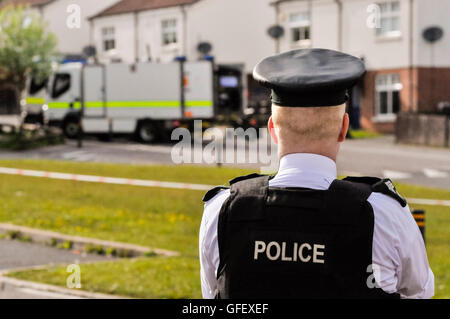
{"points": [[302, 252]]}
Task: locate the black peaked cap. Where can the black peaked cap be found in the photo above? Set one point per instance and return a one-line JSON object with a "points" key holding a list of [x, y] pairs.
{"points": [[309, 77]]}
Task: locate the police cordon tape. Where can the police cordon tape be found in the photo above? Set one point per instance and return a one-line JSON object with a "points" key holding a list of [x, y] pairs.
{"points": [[102, 179], [150, 183]]}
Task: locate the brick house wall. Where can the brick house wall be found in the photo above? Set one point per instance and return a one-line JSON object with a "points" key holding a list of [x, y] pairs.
{"points": [[433, 87], [430, 86]]}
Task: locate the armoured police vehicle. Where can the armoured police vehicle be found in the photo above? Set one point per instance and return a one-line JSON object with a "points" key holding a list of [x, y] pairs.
{"points": [[147, 99]]}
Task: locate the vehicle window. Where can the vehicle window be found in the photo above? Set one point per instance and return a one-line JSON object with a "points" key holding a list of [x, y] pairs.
{"points": [[61, 84], [35, 86]]}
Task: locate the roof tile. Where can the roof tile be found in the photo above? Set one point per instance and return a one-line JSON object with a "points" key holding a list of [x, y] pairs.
{"points": [[127, 6]]}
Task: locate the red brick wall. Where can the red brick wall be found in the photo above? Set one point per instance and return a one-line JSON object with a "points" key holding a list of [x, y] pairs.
{"points": [[433, 87], [368, 99], [430, 86]]}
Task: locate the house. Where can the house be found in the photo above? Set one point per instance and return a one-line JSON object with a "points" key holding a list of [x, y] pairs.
{"points": [[163, 29], [62, 16], [404, 71], [160, 30]]}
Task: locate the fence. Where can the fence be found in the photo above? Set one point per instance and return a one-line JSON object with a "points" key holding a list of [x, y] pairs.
{"points": [[423, 129]]}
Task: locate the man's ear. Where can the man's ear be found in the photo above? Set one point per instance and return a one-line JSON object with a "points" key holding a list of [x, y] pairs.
{"points": [[344, 128], [271, 128]]}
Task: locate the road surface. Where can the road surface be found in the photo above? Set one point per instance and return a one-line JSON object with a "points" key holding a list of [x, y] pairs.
{"points": [[425, 166], [15, 255]]}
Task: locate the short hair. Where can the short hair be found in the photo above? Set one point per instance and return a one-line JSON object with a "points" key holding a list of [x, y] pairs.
{"points": [[302, 125]]}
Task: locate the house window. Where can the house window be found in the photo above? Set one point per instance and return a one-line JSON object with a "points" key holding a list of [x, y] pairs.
{"points": [[387, 88], [389, 19], [299, 25], [109, 41], [169, 31]]}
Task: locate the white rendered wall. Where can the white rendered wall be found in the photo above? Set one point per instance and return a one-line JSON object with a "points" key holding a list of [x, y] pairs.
{"points": [[75, 39], [237, 30], [432, 13], [124, 36]]}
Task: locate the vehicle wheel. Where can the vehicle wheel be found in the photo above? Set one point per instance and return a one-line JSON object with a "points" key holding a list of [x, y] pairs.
{"points": [[147, 132], [71, 128]]}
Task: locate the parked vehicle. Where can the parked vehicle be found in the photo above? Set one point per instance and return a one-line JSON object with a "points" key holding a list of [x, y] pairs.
{"points": [[147, 99]]}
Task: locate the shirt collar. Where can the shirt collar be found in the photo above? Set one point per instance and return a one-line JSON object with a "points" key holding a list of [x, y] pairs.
{"points": [[305, 169]]}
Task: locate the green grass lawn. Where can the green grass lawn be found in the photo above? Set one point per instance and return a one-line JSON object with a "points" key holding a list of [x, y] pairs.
{"points": [[163, 218], [361, 134]]}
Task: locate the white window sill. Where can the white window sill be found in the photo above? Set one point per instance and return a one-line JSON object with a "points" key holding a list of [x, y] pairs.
{"points": [[384, 118], [170, 47], [387, 37], [301, 44]]}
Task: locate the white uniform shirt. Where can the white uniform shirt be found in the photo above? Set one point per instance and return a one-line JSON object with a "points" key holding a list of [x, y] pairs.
{"points": [[398, 248]]}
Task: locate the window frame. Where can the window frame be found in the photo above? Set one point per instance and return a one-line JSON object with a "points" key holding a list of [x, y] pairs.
{"points": [[108, 38], [169, 30], [392, 83], [303, 24], [389, 15]]}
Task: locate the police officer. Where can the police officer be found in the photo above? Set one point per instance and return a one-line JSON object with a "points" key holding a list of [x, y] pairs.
{"points": [[303, 233]]}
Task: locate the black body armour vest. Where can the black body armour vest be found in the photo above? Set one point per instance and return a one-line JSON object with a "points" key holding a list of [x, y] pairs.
{"points": [[297, 243]]}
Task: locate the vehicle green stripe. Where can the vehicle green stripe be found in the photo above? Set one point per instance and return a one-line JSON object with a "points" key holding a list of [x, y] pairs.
{"points": [[34, 100], [131, 104], [63, 105], [143, 104]]}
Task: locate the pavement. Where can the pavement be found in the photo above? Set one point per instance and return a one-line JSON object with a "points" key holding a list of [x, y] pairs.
{"points": [[20, 255], [382, 157]]}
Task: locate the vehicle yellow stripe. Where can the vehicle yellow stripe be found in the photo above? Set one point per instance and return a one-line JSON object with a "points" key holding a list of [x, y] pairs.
{"points": [[63, 105], [34, 100], [131, 104]]}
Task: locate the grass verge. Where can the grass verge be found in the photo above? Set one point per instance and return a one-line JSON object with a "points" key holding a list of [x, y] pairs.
{"points": [[158, 217], [361, 134]]}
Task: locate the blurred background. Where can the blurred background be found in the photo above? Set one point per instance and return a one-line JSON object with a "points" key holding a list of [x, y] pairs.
{"points": [[91, 92]]}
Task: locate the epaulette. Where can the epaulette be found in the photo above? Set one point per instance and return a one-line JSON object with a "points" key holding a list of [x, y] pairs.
{"points": [[213, 192], [384, 186], [243, 178]]}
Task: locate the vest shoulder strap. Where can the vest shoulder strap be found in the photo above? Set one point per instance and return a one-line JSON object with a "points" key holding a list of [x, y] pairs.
{"points": [[213, 192], [246, 177], [378, 185]]}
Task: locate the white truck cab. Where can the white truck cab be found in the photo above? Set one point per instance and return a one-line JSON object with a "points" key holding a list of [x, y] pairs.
{"points": [[144, 98]]}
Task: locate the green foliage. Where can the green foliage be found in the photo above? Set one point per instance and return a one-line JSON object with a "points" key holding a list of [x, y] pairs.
{"points": [[150, 254], [53, 242], [66, 245], [111, 251], [26, 239], [13, 234], [27, 139], [361, 134], [26, 46]]}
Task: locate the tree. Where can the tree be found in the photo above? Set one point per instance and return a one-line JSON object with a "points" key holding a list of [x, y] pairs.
{"points": [[27, 48]]}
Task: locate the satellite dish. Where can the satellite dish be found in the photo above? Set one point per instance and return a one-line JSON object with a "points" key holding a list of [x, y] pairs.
{"points": [[433, 34], [90, 51], [276, 32], [204, 47]]}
